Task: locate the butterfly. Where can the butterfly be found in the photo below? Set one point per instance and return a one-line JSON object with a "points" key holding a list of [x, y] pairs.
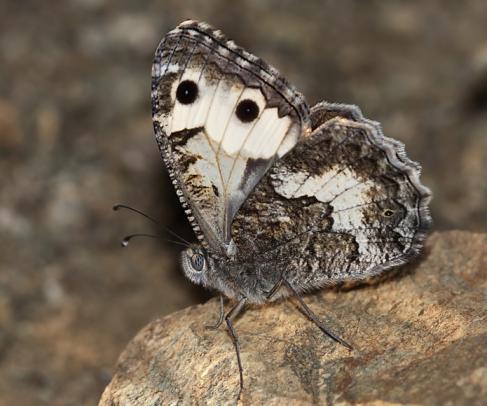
{"points": [[282, 198]]}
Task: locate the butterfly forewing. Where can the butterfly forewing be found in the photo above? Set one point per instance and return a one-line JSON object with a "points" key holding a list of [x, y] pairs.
{"points": [[222, 117], [345, 203]]}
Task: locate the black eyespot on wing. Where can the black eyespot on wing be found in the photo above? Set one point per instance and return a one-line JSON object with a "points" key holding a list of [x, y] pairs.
{"points": [[187, 92], [247, 111], [197, 262], [388, 212]]}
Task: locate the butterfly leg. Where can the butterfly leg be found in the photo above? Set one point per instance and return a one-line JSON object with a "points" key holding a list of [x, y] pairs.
{"points": [[228, 318], [220, 317], [314, 318], [274, 289]]}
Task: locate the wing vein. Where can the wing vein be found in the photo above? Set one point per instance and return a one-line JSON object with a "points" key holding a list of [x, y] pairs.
{"points": [[332, 150]]}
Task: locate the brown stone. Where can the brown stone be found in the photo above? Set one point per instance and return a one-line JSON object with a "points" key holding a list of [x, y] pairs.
{"points": [[420, 337]]}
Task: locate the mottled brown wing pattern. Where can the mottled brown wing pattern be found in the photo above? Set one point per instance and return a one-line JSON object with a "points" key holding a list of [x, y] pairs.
{"points": [[222, 117], [345, 203]]}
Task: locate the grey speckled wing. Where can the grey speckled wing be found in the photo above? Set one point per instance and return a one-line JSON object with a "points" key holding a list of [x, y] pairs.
{"points": [[346, 203], [222, 117]]}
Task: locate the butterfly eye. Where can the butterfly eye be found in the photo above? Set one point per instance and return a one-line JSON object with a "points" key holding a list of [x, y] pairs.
{"points": [[247, 111], [197, 262], [187, 92], [388, 212]]}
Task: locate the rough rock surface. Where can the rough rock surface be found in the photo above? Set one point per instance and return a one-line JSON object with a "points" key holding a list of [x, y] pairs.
{"points": [[420, 337]]}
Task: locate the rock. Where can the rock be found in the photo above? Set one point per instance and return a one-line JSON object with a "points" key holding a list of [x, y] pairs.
{"points": [[419, 337]]}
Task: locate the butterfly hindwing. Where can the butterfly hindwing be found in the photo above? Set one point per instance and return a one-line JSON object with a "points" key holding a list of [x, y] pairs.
{"points": [[222, 117], [345, 203]]}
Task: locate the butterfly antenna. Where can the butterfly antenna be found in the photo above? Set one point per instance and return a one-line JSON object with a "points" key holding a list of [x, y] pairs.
{"points": [[124, 206], [166, 229], [125, 240]]}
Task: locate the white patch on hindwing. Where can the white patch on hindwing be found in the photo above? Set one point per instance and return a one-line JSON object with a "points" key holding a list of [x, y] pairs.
{"points": [[340, 187], [349, 196]]}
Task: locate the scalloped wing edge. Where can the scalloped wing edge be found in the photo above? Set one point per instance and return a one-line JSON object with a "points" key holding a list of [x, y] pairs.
{"points": [[395, 151]]}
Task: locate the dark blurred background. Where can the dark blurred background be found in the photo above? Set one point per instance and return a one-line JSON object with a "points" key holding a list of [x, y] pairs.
{"points": [[76, 137]]}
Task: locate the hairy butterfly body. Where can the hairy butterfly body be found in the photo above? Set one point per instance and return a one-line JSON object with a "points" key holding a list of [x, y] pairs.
{"points": [[282, 198]]}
